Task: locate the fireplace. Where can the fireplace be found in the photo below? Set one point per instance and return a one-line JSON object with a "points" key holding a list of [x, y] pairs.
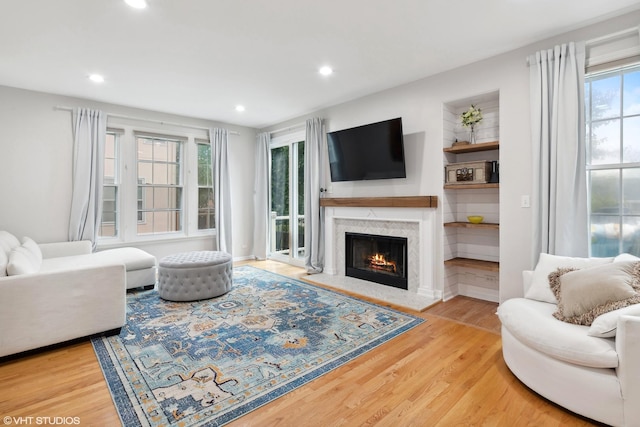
{"points": [[379, 259]]}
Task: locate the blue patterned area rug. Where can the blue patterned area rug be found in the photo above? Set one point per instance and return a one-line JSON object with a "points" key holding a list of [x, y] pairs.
{"points": [[207, 363]]}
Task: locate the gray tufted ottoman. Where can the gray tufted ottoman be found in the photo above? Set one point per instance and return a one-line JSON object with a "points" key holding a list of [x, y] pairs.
{"points": [[192, 276]]}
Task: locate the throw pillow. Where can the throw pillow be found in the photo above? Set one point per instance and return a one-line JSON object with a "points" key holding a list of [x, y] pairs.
{"points": [[21, 261], [8, 241], [33, 248], [626, 257], [605, 325], [4, 260], [547, 264], [586, 294]]}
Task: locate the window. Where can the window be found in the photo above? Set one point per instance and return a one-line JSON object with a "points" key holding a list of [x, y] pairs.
{"points": [[206, 211], [613, 160], [159, 185], [109, 224]]}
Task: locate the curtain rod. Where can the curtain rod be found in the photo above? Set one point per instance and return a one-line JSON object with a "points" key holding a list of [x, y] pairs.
{"points": [[292, 127], [162, 122], [606, 38]]}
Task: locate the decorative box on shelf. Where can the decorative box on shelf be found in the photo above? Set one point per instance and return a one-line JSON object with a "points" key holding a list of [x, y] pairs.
{"points": [[477, 172]]}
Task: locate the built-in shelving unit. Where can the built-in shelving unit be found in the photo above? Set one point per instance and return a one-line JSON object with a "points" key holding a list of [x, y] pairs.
{"points": [[471, 251]]}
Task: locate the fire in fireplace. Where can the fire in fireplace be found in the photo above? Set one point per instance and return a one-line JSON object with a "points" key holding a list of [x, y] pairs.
{"points": [[380, 259]]}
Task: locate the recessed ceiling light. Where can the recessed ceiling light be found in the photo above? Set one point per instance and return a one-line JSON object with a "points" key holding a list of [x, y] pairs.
{"points": [[137, 4], [96, 78], [326, 70], [240, 108]]}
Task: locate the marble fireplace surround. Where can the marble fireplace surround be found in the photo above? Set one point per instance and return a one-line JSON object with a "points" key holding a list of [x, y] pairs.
{"points": [[411, 217]]}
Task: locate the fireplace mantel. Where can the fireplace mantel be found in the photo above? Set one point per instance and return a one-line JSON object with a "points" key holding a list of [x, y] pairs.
{"points": [[381, 202]]}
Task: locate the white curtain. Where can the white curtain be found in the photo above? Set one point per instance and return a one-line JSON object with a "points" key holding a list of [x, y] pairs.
{"points": [[89, 136], [314, 153], [261, 197], [558, 141], [221, 188]]}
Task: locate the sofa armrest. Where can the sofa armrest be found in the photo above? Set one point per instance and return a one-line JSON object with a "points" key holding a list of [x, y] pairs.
{"points": [[628, 348], [48, 308], [60, 249]]}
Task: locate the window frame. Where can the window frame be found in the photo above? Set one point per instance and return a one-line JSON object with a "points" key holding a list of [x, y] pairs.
{"points": [[128, 199], [619, 167]]}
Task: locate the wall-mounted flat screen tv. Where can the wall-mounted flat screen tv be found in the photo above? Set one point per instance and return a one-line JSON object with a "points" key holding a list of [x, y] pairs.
{"points": [[372, 151]]}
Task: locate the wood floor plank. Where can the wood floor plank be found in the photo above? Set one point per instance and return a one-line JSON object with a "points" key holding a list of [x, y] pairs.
{"points": [[447, 371]]}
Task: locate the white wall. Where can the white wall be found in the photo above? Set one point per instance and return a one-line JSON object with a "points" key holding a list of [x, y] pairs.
{"points": [[421, 106], [35, 169]]}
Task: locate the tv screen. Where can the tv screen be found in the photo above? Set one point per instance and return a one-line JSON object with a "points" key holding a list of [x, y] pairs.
{"points": [[373, 151]]}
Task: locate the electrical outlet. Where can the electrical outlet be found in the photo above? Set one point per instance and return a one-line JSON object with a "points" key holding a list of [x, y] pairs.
{"points": [[525, 202]]}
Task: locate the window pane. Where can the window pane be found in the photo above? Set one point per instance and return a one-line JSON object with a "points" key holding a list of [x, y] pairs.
{"points": [[605, 97], [631, 191], [280, 180], [632, 93], [631, 138], [300, 178], [110, 146], [145, 149], [173, 174], [204, 165], [605, 236], [631, 235], [145, 173], [160, 198], [160, 171], [205, 198], [109, 171], [605, 191], [605, 142], [205, 219]]}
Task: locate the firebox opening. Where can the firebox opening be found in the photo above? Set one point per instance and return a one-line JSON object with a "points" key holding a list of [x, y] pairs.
{"points": [[380, 259]]}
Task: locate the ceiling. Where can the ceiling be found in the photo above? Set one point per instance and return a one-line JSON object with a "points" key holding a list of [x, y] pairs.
{"points": [[201, 58]]}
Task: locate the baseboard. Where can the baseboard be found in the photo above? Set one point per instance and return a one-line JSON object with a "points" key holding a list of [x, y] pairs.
{"points": [[478, 292]]}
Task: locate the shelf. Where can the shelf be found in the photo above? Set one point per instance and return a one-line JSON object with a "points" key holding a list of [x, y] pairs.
{"points": [[472, 148], [473, 263], [381, 202], [471, 186], [485, 225]]}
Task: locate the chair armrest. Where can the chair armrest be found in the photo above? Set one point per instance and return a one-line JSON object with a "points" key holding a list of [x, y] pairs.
{"points": [[60, 249], [628, 348]]}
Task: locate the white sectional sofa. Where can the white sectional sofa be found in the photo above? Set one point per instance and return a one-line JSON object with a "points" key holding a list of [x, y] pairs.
{"points": [[592, 370], [56, 292]]}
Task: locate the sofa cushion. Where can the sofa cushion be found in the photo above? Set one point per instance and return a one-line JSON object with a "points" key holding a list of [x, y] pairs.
{"points": [[133, 258], [547, 264], [585, 294], [22, 261], [532, 323], [8, 242]]}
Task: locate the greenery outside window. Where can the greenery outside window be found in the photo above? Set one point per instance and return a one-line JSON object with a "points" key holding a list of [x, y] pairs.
{"points": [[206, 210]]}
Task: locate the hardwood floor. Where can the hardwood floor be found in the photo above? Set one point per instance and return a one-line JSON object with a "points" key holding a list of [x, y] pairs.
{"points": [[448, 371]]}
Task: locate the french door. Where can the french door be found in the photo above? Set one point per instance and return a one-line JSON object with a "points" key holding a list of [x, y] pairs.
{"points": [[286, 224]]}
